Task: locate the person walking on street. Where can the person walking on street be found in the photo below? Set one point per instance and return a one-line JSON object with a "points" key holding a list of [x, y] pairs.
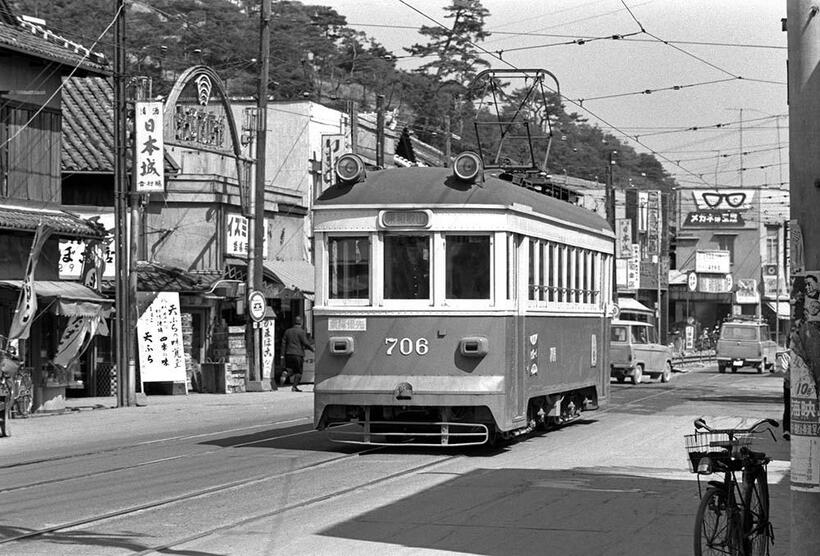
{"points": [[294, 343]]}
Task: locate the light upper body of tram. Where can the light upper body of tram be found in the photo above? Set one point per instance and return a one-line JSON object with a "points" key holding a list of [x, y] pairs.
{"points": [[439, 239]]}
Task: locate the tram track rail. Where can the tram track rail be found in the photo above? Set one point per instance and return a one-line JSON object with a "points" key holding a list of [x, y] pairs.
{"points": [[218, 489], [119, 469]]}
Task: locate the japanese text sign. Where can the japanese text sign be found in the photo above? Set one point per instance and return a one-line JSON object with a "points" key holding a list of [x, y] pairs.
{"points": [[159, 330], [148, 161], [236, 236]]}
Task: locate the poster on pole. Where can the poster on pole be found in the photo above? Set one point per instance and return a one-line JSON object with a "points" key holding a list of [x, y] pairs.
{"points": [[150, 148], [159, 331]]}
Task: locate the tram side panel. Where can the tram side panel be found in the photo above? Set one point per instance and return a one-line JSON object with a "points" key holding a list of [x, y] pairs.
{"points": [[566, 365], [450, 361]]}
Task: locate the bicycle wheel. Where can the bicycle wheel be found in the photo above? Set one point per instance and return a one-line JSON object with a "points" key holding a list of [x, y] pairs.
{"points": [[757, 531], [713, 525]]}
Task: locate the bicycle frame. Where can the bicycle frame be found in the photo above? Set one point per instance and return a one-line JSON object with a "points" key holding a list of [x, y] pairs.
{"points": [[745, 502]]}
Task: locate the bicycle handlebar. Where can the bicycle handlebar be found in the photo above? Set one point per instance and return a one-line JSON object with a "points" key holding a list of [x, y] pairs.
{"points": [[700, 424]]}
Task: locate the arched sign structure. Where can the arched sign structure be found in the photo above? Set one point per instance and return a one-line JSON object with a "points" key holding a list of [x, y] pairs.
{"points": [[193, 121]]}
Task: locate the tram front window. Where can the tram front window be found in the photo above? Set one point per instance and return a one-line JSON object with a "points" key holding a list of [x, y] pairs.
{"points": [[349, 266], [406, 267], [468, 267]]}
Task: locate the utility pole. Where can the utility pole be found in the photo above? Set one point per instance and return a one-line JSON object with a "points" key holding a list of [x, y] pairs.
{"points": [[380, 131], [123, 301], [803, 21], [256, 233], [610, 217]]}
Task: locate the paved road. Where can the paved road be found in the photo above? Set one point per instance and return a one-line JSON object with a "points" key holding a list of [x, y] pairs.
{"points": [[246, 474]]}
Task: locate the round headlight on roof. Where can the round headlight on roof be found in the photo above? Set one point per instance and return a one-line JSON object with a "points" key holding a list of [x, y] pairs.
{"points": [[349, 168], [467, 166]]}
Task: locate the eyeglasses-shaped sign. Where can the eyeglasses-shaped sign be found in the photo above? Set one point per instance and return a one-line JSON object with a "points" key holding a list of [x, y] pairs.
{"points": [[723, 199]]}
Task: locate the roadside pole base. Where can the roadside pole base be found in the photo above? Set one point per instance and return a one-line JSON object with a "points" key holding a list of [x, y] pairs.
{"points": [[258, 386], [141, 400]]}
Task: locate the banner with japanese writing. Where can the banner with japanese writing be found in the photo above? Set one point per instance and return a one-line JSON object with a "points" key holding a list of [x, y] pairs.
{"points": [[27, 302], [268, 327], [159, 331], [150, 149]]}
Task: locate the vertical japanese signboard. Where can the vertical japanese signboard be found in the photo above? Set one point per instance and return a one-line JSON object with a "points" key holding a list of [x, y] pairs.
{"points": [[159, 330], [236, 236], [268, 328], [148, 160], [633, 269], [623, 240], [333, 147]]}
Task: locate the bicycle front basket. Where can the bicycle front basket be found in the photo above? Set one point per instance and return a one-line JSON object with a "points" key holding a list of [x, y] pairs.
{"points": [[719, 446]]}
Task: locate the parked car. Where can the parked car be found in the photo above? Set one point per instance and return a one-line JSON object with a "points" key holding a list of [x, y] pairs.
{"points": [[746, 343], [634, 351]]}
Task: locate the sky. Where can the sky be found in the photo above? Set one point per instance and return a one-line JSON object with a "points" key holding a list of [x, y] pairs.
{"points": [[727, 56]]}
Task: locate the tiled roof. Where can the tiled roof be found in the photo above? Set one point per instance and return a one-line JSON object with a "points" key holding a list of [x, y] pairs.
{"points": [[88, 125], [23, 217], [35, 40]]}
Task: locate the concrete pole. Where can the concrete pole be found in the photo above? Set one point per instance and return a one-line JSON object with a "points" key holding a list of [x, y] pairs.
{"points": [[803, 22]]}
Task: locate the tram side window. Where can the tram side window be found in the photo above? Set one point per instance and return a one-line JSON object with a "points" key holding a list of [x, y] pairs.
{"points": [[349, 260], [468, 267], [406, 267]]}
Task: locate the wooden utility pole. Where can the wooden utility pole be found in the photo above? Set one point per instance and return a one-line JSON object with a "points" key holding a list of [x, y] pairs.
{"points": [[256, 233], [803, 22], [123, 340], [610, 218], [380, 131]]}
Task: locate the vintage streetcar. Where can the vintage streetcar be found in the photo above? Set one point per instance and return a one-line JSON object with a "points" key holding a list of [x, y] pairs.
{"points": [[454, 307]]}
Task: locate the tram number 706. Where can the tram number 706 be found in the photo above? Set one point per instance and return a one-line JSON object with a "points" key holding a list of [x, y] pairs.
{"points": [[407, 346]]}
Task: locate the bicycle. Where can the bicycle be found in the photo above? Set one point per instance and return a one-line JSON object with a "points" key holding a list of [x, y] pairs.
{"points": [[733, 517]]}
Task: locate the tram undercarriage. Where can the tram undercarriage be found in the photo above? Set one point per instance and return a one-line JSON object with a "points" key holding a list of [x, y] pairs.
{"points": [[450, 425]]}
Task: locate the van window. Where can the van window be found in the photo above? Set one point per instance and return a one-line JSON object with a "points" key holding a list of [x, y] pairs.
{"points": [[739, 332], [618, 334], [639, 335]]}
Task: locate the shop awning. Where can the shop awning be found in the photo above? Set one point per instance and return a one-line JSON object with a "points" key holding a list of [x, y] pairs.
{"points": [[70, 298], [294, 275], [781, 308], [633, 305]]}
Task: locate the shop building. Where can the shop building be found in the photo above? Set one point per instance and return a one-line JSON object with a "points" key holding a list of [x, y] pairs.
{"points": [[730, 257]]}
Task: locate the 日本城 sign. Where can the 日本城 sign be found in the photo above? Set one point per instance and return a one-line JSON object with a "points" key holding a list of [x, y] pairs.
{"points": [[149, 147], [623, 240]]}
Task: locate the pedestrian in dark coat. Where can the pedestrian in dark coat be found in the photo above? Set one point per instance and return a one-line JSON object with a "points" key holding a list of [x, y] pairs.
{"points": [[294, 343]]}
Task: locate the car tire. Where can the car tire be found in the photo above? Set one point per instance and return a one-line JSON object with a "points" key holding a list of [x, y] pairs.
{"points": [[637, 375], [666, 375]]}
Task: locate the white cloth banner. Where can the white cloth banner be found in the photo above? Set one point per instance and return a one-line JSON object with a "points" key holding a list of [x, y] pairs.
{"points": [[159, 330]]}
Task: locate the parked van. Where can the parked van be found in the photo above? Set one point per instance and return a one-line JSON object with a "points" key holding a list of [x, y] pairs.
{"points": [[746, 343], [634, 351]]}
